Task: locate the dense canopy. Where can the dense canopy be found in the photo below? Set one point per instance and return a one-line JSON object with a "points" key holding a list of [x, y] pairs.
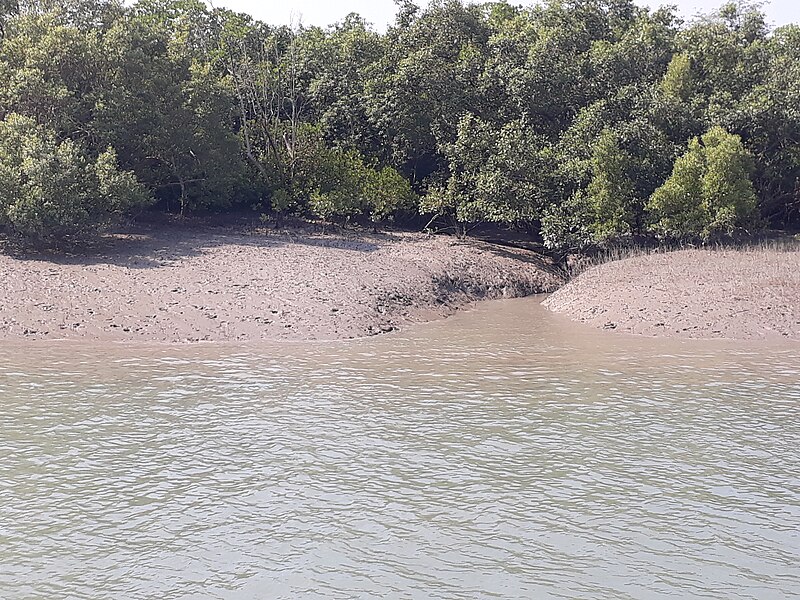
{"points": [[579, 120]]}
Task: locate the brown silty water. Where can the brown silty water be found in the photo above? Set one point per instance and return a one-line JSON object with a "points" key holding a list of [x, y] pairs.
{"points": [[503, 453]]}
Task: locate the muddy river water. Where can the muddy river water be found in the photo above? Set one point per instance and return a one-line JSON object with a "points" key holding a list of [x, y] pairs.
{"points": [[502, 453]]}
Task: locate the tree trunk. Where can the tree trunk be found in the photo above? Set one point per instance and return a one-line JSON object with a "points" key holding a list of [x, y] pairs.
{"points": [[183, 197]]}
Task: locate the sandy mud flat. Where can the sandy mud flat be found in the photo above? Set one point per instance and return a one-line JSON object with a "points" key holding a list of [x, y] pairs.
{"points": [[182, 284], [733, 294]]}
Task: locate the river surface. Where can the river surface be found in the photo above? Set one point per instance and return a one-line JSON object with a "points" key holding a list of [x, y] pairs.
{"points": [[503, 453]]}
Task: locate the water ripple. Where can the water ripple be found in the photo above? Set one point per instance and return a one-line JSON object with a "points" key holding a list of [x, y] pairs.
{"points": [[475, 460]]}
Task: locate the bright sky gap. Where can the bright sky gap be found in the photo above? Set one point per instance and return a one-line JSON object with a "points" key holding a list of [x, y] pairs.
{"points": [[381, 12]]}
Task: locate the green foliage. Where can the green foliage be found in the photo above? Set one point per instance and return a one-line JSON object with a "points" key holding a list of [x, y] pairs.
{"points": [[424, 82], [727, 189], [387, 192], [497, 175], [677, 207], [167, 110], [678, 82], [334, 182], [120, 191], [561, 118], [611, 193], [52, 191], [768, 119], [338, 66], [567, 226], [709, 192]]}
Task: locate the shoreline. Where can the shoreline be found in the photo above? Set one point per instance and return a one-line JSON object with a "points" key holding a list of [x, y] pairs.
{"points": [[178, 284], [737, 295]]}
